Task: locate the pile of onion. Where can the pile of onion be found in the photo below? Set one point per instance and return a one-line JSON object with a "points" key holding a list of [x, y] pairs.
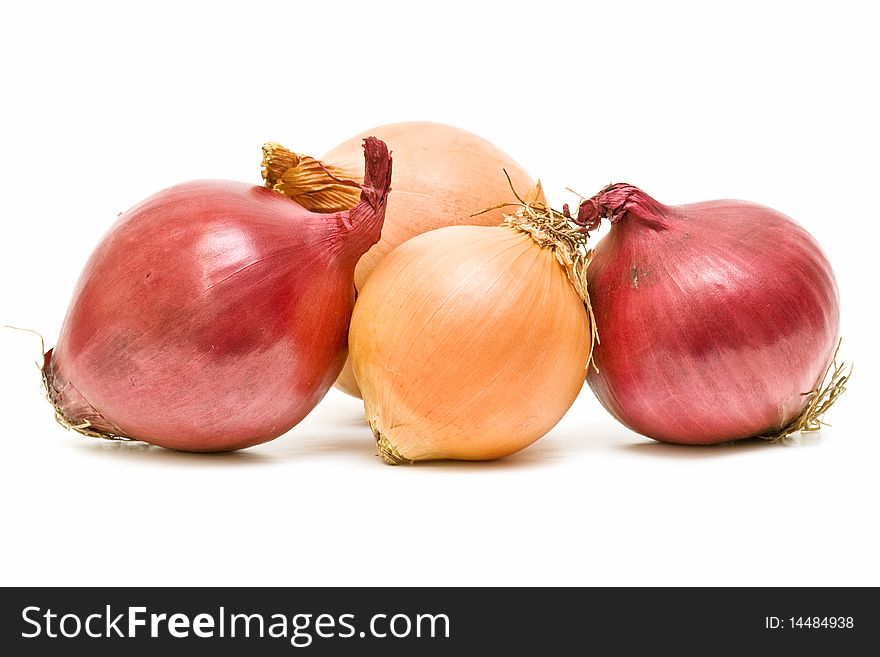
{"points": [[717, 320], [442, 175], [214, 315], [471, 342]]}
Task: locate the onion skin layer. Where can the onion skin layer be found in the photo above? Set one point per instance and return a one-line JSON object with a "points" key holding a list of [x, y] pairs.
{"points": [[715, 318], [469, 343], [213, 316], [442, 175]]}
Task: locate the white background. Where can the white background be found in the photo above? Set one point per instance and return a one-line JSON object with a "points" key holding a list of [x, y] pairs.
{"points": [[770, 102]]}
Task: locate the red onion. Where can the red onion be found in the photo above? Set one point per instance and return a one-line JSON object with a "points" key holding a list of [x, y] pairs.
{"points": [[716, 320], [214, 315]]}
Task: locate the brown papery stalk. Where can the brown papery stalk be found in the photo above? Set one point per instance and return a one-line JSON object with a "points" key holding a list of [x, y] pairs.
{"points": [[315, 185]]}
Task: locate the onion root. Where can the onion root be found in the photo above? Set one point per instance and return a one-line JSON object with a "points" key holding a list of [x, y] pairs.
{"points": [[827, 391], [387, 451], [65, 396]]}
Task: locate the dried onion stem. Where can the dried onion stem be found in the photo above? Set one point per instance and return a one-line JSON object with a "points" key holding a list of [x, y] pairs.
{"points": [[556, 230]]}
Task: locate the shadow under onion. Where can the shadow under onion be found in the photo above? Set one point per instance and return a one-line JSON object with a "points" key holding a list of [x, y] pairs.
{"points": [[721, 450]]}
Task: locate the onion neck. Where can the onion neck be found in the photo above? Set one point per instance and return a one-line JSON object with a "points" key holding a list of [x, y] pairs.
{"points": [[549, 228], [619, 201], [357, 210], [364, 221]]}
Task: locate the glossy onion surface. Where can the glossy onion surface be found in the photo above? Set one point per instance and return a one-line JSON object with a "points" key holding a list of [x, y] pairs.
{"points": [[213, 315], [715, 318]]}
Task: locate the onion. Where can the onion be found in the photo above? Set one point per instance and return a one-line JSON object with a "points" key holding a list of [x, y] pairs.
{"points": [[717, 320], [442, 175], [470, 342], [213, 315]]}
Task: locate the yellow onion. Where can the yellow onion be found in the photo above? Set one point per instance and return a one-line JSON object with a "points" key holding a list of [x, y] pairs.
{"points": [[471, 342], [442, 175]]}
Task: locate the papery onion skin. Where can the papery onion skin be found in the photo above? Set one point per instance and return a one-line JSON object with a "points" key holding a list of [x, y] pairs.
{"points": [[214, 315], [715, 319], [442, 175], [469, 343]]}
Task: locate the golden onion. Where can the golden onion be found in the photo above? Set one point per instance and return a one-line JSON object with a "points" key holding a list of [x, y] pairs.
{"points": [[471, 342]]}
